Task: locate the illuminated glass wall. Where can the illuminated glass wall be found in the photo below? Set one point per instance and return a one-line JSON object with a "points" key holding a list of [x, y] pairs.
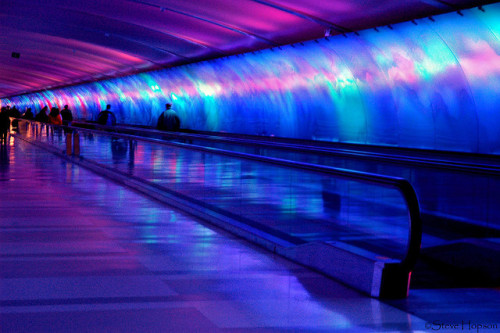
{"points": [[428, 84]]}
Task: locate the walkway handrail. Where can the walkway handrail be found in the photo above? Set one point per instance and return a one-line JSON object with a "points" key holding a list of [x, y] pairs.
{"points": [[400, 184], [460, 166]]}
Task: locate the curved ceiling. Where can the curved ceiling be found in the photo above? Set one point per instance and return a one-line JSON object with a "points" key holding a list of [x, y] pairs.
{"points": [[61, 42]]}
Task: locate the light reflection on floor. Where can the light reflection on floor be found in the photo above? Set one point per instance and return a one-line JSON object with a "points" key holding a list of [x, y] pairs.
{"points": [[81, 254], [300, 204]]}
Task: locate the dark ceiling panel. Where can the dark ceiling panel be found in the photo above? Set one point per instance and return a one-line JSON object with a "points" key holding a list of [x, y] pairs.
{"points": [[266, 23], [465, 3], [183, 27], [86, 33], [51, 49], [361, 14], [63, 42]]}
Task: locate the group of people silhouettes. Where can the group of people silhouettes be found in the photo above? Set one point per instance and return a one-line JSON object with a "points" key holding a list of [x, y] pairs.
{"points": [[167, 121], [5, 124], [54, 117]]}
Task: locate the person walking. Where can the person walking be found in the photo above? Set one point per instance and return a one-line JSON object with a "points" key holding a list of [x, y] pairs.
{"points": [[106, 117], [67, 116], [42, 115], [168, 120], [4, 125], [55, 117], [28, 114]]}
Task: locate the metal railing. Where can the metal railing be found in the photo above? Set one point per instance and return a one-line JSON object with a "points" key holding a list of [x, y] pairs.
{"points": [[273, 143], [405, 189]]}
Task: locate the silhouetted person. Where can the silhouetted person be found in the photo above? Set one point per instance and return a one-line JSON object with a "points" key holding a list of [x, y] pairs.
{"points": [[168, 120], [28, 114], [106, 117], [67, 116], [4, 125], [55, 117], [14, 113], [42, 115]]}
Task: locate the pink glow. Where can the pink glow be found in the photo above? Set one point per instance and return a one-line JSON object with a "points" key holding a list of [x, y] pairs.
{"points": [[404, 69], [481, 61]]}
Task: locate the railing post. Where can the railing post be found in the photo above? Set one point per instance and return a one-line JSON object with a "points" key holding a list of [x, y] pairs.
{"points": [[69, 143], [131, 153], [76, 144]]}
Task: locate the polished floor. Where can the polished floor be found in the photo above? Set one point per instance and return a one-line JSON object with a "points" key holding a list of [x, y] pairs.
{"points": [[79, 253]]}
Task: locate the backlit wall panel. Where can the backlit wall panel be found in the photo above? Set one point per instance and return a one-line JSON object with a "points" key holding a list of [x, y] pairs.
{"points": [[428, 84]]}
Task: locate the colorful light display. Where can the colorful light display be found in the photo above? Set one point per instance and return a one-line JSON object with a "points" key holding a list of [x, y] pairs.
{"points": [[431, 84]]}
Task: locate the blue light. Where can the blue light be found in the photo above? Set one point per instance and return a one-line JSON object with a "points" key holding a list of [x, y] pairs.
{"points": [[433, 85]]}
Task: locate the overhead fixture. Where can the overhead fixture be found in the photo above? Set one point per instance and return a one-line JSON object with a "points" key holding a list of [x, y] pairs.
{"points": [[328, 32]]}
